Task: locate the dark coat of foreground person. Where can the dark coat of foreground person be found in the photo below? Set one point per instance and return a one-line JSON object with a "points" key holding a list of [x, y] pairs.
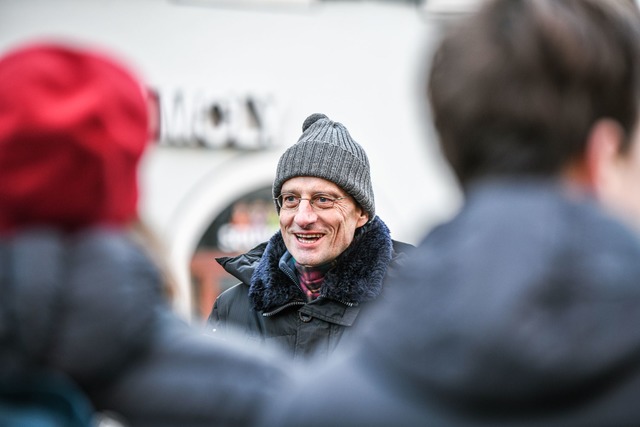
{"points": [[91, 306]]}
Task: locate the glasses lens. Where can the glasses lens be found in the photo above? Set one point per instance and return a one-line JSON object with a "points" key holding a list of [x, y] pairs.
{"points": [[288, 201], [318, 201], [321, 201]]}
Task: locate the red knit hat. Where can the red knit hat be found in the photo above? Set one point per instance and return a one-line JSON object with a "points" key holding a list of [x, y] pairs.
{"points": [[73, 126]]}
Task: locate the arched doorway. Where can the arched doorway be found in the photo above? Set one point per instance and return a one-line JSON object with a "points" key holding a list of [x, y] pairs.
{"points": [[246, 222]]}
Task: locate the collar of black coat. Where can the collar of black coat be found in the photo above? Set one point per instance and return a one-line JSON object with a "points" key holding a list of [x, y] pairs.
{"points": [[356, 278]]}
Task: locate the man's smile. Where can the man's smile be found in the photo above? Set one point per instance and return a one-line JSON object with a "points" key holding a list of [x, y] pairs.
{"points": [[308, 238]]}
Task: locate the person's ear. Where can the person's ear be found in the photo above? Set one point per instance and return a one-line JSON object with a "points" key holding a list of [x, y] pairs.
{"points": [[362, 219], [602, 156]]}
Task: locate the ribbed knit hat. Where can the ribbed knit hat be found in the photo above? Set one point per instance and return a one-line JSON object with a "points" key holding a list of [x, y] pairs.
{"points": [[73, 126], [326, 150]]}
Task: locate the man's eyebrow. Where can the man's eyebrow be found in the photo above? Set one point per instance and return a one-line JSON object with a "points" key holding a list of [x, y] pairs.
{"points": [[334, 194], [327, 193]]}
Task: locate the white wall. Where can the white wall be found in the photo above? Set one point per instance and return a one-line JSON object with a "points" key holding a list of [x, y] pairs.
{"points": [[358, 62]]}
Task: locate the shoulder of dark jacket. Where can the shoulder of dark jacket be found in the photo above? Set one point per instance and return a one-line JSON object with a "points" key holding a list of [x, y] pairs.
{"points": [[242, 266]]}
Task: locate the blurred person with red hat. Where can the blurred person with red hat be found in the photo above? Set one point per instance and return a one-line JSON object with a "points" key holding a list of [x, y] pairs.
{"points": [[78, 295]]}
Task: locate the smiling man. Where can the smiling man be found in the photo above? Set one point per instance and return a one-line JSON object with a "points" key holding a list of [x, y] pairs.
{"points": [[304, 289]]}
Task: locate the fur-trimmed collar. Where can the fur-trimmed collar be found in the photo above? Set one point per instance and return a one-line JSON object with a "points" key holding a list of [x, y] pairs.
{"points": [[356, 278]]}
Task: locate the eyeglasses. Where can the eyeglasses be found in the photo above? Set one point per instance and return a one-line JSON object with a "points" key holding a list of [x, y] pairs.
{"points": [[289, 201]]}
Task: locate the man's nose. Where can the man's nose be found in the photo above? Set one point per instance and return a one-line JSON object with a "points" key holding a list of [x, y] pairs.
{"points": [[306, 214]]}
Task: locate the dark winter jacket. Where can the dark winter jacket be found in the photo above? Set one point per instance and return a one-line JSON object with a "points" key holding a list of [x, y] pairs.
{"points": [[522, 311], [90, 306], [269, 305]]}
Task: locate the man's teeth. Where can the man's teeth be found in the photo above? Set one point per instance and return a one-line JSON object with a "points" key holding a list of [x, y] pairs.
{"points": [[308, 238]]}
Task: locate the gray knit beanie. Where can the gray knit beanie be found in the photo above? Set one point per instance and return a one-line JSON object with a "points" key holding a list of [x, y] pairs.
{"points": [[326, 150]]}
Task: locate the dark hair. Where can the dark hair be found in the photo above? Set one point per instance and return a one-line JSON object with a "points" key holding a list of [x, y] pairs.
{"points": [[515, 88]]}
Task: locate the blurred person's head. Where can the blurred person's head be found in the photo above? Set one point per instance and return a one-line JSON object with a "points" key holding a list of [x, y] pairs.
{"points": [[546, 88], [73, 126], [323, 192]]}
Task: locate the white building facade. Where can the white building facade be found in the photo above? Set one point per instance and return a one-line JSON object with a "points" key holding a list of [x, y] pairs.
{"points": [[235, 81]]}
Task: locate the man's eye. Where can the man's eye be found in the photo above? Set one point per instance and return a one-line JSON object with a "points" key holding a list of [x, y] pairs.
{"points": [[323, 202], [289, 199]]}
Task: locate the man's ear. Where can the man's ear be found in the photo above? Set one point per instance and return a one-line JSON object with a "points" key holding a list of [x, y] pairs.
{"points": [[362, 219], [601, 156]]}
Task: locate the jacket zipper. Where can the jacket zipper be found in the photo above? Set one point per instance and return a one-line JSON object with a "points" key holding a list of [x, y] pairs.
{"points": [[292, 303], [348, 304], [282, 307]]}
